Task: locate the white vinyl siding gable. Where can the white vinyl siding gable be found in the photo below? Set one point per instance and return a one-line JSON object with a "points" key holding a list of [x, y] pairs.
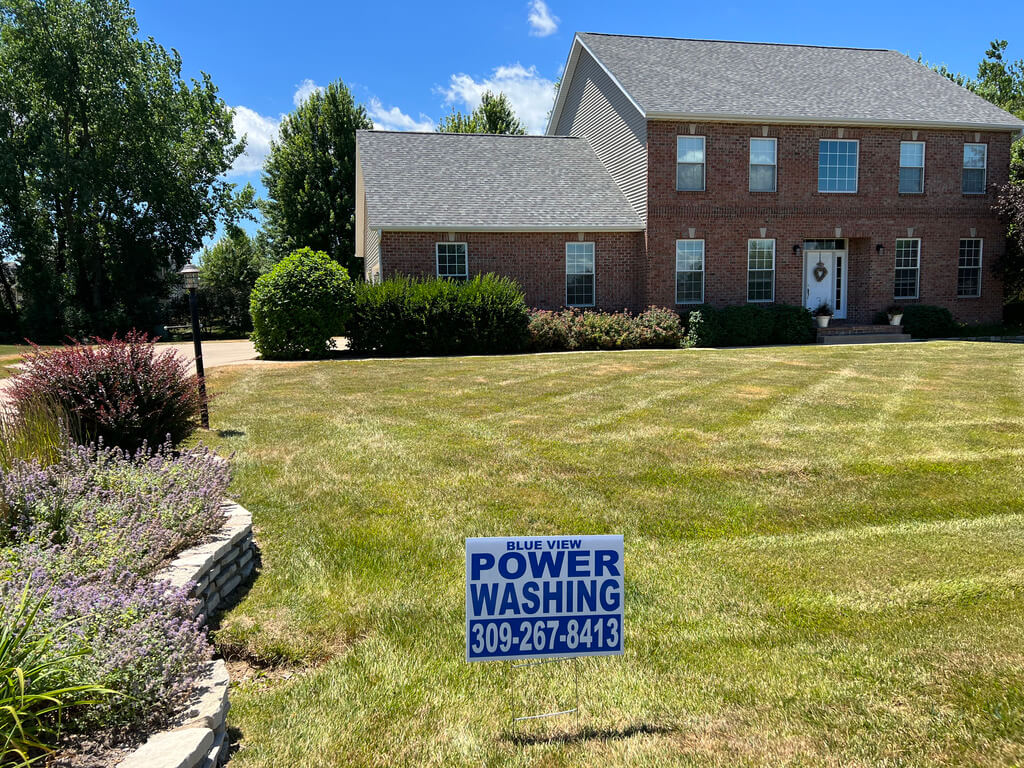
{"points": [[597, 109]]}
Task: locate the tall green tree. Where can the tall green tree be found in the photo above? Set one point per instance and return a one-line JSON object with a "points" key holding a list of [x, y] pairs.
{"points": [[228, 272], [493, 115], [311, 179], [111, 165]]}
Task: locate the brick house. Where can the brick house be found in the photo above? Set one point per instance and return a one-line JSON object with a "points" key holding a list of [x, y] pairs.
{"points": [[678, 172]]}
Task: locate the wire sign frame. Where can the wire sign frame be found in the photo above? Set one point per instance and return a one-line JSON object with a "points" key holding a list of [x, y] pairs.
{"points": [[536, 600]]}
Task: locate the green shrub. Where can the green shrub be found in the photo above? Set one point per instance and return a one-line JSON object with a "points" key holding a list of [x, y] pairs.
{"points": [[299, 305], [430, 316], [550, 331], [602, 330], [749, 325], [924, 321]]}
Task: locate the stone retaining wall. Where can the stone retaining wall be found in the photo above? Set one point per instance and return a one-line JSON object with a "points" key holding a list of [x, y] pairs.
{"points": [[217, 568]]}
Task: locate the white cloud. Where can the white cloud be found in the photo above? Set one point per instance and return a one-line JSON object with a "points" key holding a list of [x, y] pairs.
{"points": [[530, 94], [259, 131], [394, 119], [304, 90], [542, 23]]}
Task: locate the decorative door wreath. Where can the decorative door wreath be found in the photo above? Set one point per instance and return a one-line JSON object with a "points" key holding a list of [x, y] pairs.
{"points": [[820, 271]]}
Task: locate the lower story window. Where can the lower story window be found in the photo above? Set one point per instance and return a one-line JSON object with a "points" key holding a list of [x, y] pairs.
{"points": [[579, 274], [760, 270], [689, 271], [908, 268], [451, 261], [968, 273]]}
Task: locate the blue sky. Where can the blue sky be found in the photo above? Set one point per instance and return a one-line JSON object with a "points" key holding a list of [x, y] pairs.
{"points": [[411, 63]]}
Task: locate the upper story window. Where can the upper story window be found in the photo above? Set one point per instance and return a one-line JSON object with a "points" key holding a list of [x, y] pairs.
{"points": [[579, 274], [690, 163], [760, 270], [968, 274], [837, 165], [911, 167], [908, 268], [975, 165], [763, 165], [689, 271], [451, 261]]}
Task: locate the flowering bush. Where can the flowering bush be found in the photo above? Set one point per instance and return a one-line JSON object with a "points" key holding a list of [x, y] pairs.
{"points": [[119, 391], [572, 329], [85, 534], [102, 507], [126, 633]]}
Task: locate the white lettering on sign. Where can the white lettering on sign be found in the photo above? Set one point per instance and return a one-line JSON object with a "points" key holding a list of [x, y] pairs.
{"points": [[550, 596]]}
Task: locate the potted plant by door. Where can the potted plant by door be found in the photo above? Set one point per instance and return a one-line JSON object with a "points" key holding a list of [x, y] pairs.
{"points": [[895, 313], [823, 314]]}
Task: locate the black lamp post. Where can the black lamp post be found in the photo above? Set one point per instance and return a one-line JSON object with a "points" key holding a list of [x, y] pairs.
{"points": [[190, 273]]}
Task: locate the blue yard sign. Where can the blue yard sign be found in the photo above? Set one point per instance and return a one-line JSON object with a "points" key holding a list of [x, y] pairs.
{"points": [[533, 597]]}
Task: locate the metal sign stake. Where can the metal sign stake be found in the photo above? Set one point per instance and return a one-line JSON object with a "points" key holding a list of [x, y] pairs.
{"points": [[512, 665]]}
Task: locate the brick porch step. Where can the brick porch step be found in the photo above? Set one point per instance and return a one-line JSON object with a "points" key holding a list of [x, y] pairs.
{"points": [[861, 334]]}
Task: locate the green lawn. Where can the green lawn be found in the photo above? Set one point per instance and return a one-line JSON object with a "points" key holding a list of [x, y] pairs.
{"points": [[824, 554]]}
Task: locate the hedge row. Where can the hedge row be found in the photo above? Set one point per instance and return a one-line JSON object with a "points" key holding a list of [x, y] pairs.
{"points": [[749, 325], [415, 316], [572, 329], [924, 321]]}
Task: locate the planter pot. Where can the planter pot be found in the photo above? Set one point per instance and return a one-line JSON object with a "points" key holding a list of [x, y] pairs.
{"points": [[895, 319], [823, 320]]}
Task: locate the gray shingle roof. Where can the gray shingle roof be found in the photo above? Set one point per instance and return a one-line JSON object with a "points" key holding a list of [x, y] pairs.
{"points": [[475, 181], [669, 76]]}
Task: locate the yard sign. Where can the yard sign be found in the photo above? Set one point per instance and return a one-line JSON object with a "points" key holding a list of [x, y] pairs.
{"points": [[531, 597]]}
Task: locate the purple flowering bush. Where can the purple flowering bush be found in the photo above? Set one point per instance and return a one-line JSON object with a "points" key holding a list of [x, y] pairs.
{"points": [[86, 533]]}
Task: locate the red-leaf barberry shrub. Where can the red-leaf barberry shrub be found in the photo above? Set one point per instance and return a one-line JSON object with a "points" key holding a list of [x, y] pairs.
{"points": [[121, 391]]}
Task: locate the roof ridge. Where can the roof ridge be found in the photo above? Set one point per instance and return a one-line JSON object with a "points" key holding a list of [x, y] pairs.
{"points": [[453, 133], [741, 42]]}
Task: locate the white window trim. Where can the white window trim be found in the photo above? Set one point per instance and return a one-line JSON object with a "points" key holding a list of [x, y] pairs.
{"points": [[984, 184], [567, 272], [703, 268], [437, 260], [924, 150], [703, 165], [856, 180], [775, 165], [774, 253], [981, 262], [917, 279]]}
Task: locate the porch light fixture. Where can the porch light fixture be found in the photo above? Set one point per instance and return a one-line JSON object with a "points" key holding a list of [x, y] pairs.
{"points": [[797, 248], [880, 249], [190, 276]]}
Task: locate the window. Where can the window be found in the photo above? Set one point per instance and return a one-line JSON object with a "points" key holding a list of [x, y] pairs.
{"points": [[579, 274], [451, 261], [690, 163], [762, 165], [975, 162], [689, 271], [837, 165], [908, 268], [968, 273], [911, 167], [760, 270]]}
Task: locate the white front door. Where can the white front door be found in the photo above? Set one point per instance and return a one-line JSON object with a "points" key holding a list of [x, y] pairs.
{"points": [[824, 272]]}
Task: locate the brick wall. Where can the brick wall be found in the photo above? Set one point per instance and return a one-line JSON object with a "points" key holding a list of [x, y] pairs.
{"points": [[727, 214], [638, 269], [536, 260]]}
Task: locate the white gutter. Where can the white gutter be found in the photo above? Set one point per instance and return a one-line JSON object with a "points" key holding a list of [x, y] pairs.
{"points": [[721, 117]]}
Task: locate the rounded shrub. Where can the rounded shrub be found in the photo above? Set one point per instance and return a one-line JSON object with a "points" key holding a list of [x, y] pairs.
{"points": [[299, 305], [119, 391]]}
